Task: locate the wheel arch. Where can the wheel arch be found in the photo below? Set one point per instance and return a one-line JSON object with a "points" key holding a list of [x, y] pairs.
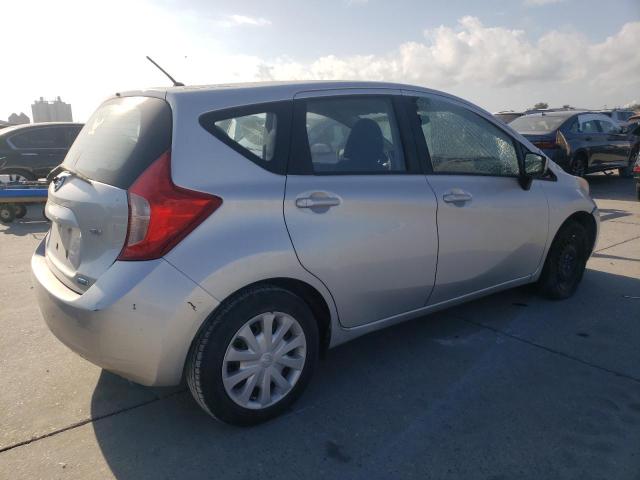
{"points": [[587, 221], [309, 294]]}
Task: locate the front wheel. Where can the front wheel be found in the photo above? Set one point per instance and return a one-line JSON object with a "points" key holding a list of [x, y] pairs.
{"points": [[564, 267], [254, 357]]}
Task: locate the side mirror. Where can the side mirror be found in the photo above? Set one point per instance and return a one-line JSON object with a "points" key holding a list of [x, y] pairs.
{"points": [[535, 166]]}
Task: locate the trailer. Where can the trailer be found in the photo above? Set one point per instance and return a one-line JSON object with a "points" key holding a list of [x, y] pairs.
{"points": [[16, 196]]}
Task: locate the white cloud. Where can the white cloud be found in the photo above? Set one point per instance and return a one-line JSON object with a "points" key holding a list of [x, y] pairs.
{"points": [[473, 54], [539, 3], [241, 20]]}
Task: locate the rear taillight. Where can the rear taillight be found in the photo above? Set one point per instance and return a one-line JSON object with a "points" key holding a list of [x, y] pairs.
{"points": [[546, 144], [161, 213], [636, 168]]}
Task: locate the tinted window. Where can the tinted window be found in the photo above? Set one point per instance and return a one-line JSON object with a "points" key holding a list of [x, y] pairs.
{"points": [[353, 135], [52, 137], [589, 126], [121, 139], [255, 133], [460, 141], [607, 127], [537, 123]]}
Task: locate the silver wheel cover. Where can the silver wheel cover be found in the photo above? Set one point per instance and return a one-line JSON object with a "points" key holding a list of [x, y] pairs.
{"points": [[264, 360]]}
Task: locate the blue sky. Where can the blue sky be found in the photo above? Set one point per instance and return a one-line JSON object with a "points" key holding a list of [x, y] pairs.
{"points": [[500, 54]]}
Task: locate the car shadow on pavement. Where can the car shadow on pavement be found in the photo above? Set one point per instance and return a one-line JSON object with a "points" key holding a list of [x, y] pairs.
{"points": [[25, 226], [376, 402]]}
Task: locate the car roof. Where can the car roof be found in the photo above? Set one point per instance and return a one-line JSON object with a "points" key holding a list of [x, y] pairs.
{"points": [[563, 113], [30, 126], [281, 90]]}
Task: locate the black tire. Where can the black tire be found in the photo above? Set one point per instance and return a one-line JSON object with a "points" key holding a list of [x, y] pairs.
{"points": [[627, 172], [7, 213], [638, 189], [578, 166], [20, 210], [566, 261], [203, 369]]}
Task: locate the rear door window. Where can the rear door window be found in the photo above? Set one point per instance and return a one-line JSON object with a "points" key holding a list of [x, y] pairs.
{"points": [[353, 135], [52, 137], [121, 139]]}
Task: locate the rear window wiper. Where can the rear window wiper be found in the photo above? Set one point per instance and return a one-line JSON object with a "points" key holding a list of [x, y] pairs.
{"points": [[62, 168]]}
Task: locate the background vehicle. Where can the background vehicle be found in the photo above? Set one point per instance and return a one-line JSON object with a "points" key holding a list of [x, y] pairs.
{"points": [[232, 234], [508, 116], [29, 152], [620, 117], [580, 142], [636, 174]]}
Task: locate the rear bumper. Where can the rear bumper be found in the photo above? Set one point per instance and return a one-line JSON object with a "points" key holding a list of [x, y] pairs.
{"points": [[137, 320]]}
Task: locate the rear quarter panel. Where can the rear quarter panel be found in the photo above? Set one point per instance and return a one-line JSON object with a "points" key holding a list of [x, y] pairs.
{"points": [[245, 240]]}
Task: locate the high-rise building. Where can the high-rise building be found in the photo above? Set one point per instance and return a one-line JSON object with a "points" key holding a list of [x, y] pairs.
{"points": [[51, 111]]}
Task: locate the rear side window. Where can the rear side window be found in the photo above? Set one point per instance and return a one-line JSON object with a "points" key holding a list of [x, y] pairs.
{"points": [[255, 133], [121, 139], [259, 132], [589, 126], [40, 138]]}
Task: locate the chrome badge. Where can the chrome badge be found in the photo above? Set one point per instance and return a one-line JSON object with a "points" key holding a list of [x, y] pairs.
{"points": [[58, 182]]}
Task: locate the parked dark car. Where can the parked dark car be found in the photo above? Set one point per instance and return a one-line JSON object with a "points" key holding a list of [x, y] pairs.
{"points": [[620, 117], [29, 152], [580, 142], [636, 174]]}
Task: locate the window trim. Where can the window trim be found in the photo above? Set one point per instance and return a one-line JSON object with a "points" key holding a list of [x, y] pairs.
{"points": [[300, 161], [283, 112], [424, 150]]}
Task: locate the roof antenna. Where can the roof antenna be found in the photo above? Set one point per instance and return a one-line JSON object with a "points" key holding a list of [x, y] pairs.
{"points": [[175, 84]]}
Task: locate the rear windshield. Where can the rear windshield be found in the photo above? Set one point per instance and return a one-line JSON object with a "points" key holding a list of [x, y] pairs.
{"points": [[121, 139], [537, 123]]}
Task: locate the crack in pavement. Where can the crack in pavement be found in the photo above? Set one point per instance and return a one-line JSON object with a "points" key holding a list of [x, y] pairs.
{"points": [[552, 350], [87, 421], [616, 244], [179, 392]]}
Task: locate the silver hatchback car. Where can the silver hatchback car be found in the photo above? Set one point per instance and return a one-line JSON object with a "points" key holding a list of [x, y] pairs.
{"points": [[231, 234]]}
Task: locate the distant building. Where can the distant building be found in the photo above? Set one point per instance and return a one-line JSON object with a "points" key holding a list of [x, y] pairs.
{"points": [[55, 111], [15, 119]]}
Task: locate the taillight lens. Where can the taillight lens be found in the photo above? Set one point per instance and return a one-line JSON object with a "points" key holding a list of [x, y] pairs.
{"points": [[546, 144], [161, 214]]}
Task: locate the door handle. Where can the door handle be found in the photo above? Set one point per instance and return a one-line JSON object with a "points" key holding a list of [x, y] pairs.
{"points": [[28, 154], [456, 196], [313, 201]]}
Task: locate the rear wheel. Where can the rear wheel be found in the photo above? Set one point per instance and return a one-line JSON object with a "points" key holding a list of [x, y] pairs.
{"points": [[7, 213], [564, 267], [254, 357]]}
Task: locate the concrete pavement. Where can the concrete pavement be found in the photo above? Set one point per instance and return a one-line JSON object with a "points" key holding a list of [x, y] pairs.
{"points": [[510, 386]]}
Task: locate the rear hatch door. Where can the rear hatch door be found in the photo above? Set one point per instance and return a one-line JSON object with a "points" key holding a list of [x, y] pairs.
{"points": [[88, 200]]}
